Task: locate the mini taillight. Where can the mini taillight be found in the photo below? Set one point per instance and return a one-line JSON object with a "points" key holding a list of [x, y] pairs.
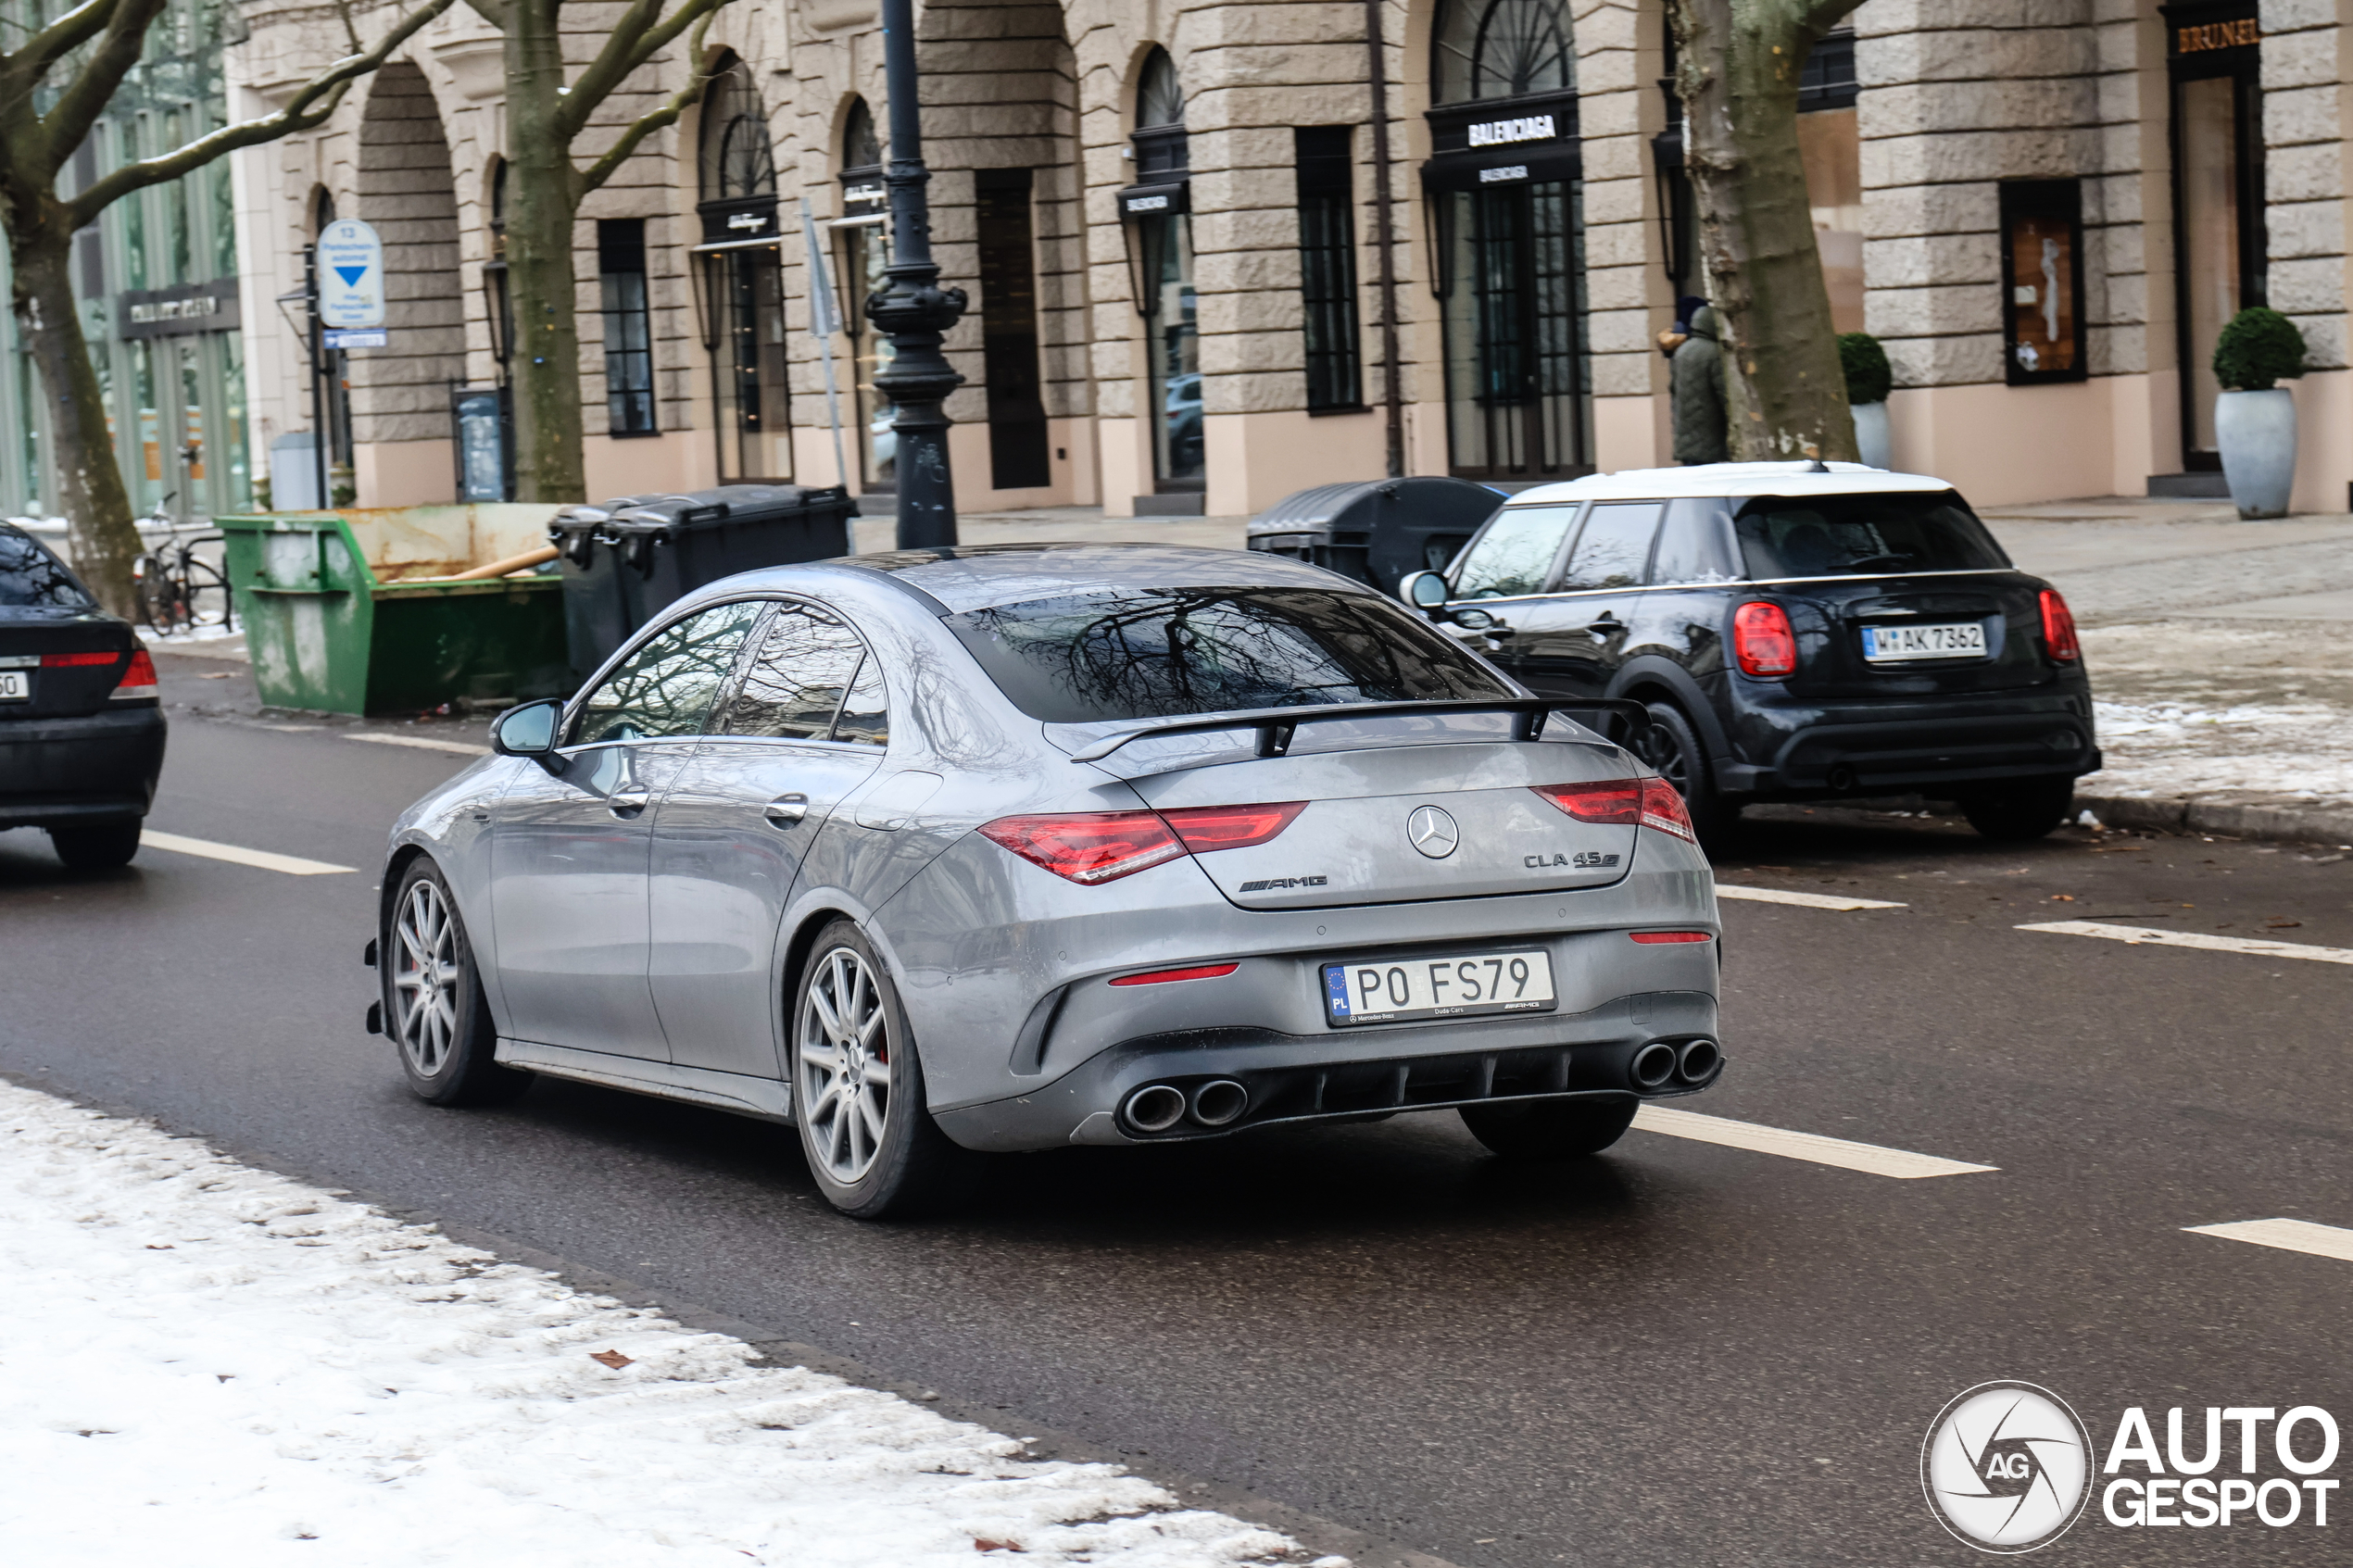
{"points": [[1230, 827], [2058, 628], [78, 660], [1663, 809], [1161, 976], [1762, 641], [1653, 936], [139, 681], [1089, 846], [1618, 801]]}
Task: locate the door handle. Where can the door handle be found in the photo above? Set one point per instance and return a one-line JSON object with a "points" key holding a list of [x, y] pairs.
{"points": [[786, 810], [1602, 629], [628, 802], [1499, 631]]}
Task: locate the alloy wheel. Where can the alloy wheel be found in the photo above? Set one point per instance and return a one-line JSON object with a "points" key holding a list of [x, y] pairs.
{"points": [[1657, 745], [844, 1048], [425, 977]]}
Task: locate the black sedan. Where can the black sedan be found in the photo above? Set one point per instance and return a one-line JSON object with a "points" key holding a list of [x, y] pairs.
{"points": [[1798, 632], [81, 731]]}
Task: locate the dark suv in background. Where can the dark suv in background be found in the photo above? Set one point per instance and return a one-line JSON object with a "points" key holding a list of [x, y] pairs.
{"points": [[1798, 632], [81, 731]]}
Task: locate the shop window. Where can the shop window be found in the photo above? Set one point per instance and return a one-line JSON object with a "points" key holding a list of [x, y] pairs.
{"points": [[1832, 146], [740, 278], [866, 259], [629, 354], [1017, 441], [2043, 336], [1328, 267], [1161, 240], [2215, 69]]}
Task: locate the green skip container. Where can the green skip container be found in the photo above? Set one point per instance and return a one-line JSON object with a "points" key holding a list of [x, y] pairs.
{"points": [[352, 612]]}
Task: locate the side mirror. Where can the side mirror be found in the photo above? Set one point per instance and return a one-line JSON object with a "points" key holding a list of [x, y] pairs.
{"points": [[1426, 590], [528, 730]]}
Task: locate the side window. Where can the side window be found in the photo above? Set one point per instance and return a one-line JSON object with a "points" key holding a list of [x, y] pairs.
{"points": [[805, 667], [1695, 545], [1614, 551], [865, 713], [1516, 553], [665, 688]]}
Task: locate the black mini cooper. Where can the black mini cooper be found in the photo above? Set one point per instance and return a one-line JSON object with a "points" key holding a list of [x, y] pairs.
{"points": [[1797, 630]]}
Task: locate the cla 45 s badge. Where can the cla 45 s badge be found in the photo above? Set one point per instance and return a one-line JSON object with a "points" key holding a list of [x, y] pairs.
{"points": [[1583, 860]]}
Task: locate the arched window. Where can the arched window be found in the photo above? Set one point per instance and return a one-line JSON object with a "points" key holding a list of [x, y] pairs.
{"points": [[1160, 98], [1501, 49], [738, 158], [742, 278], [861, 148], [865, 252], [1161, 237]]}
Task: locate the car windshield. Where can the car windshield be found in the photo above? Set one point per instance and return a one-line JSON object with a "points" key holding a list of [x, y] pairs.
{"points": [[1849, 536], [31, 575], [1153, 653]]}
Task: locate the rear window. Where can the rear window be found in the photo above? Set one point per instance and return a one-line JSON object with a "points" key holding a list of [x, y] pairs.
{"points": [[1845, 535], [1155, 653], [31, 575]]}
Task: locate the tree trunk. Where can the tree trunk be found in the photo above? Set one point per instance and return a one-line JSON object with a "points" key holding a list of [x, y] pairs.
{"points": [[1738, 65], [90, 492], [543, 199]]}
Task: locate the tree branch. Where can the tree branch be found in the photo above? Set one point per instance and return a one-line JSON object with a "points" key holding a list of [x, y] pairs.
{"points": [[85, 97], [311, 106], [601, 75], [618, 153], [61, 37], [618, 60]]}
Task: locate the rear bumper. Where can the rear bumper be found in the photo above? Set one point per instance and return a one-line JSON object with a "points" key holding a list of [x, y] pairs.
{"points": [[98, 767], [1822, 750], [1349, 1074]]}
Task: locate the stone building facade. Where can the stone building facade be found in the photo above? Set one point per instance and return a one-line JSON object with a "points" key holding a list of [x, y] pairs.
{"points": [[1167, 214]]}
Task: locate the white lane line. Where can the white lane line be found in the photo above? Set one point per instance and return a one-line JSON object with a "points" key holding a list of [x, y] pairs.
{"points": [[237, 855], [2289, 1236], [2145, 935], [1900, 1163], [424, 742], [1804, 901]]}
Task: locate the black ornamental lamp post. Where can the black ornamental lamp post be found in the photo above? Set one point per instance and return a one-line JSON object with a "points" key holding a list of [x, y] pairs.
{"points": [[914, 312]]}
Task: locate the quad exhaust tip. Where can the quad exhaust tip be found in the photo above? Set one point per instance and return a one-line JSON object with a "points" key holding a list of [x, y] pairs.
{"points": [[1698, 1060], [1155, 1108], [1653, 1065], [1219, 1101]]}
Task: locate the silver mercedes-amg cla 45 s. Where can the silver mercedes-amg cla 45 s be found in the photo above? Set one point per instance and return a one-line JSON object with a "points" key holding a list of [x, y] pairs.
{"points": [[1010, 848]]}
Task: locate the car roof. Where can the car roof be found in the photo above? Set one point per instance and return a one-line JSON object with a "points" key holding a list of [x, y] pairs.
{"points": [[965, 577], [1730, 479]]}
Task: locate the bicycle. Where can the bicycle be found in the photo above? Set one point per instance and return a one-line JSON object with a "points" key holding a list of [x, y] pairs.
{"points": [[177, 589]]}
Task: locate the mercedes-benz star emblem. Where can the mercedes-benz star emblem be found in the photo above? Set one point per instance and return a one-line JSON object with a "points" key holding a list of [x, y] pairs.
{"points": [[1433, 832]]}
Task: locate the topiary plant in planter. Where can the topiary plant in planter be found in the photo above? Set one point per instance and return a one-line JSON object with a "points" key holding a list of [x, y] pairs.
{"points": [[2255, 416], [1869, 379]]}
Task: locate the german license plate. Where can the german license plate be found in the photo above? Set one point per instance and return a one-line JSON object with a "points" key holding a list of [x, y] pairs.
{"points": [[16, 685], [1394, 990], [1893, 645]]}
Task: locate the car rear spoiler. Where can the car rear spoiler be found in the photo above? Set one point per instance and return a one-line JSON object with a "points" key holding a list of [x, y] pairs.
{"points": [[1275, 725]]}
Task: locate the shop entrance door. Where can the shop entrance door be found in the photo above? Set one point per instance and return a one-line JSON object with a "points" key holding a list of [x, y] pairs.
{"points": [[2218, 211], [1518, 406]]}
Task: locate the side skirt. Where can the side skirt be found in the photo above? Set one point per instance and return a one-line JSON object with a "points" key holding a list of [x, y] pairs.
{"points": [[766, 1100]]}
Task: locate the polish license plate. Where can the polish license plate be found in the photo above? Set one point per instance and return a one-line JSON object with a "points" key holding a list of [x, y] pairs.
{"points": [[1893, 645], [16, 685], [1394, 990]]}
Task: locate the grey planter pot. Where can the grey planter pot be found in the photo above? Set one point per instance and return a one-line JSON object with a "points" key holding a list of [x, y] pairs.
{"points": [[1873, 442], [2257, 432]]}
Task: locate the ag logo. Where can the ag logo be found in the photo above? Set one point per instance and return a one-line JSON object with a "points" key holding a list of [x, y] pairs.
{"points": [[2006, 1467]]}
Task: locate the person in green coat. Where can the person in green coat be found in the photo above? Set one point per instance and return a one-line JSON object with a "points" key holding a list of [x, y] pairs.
{"points": [[1695, 381]]}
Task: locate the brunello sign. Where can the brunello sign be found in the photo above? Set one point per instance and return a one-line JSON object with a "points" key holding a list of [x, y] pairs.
{"points": [[189, 307], [2245, 33]]}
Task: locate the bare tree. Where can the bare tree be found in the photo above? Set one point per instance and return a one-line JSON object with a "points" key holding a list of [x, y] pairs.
{"points": [[1737, 68], [53, 88], [545, 187]]}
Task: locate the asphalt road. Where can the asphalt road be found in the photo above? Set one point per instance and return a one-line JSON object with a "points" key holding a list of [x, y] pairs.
{"points": [[1676, 1354]]}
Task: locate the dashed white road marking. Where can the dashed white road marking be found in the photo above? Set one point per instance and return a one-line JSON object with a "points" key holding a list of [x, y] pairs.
{"points": [[292, 865], [2289, 1236], [1804, 901], [2144, 935], [425, 742], [1900, 1163]]}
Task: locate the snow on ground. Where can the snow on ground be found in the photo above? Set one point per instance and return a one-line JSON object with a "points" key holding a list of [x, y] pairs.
{"points": [[2292, 752], [203, 1364]]}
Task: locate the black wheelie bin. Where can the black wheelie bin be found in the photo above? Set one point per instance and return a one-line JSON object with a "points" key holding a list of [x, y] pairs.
{"points": [[1376, 529]]}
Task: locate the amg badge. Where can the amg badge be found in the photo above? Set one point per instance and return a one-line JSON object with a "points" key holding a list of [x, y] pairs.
{"points": [[1583, 860], [1273, 881]]}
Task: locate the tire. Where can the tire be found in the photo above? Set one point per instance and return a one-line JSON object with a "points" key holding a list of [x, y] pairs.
{"points": [[99, 847], [1672, 746], [849, 1047], [433, 1006], [2023, 812], [161, 604], [1559, 1129]]}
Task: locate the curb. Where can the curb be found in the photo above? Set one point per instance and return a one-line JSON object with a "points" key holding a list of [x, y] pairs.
{"points": [[2293, 825]]}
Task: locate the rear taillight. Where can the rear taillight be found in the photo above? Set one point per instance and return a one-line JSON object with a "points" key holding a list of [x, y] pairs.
{"points": [[1762, 641], [1230, 827], [1089, 846], [1663, 809], [139, 681], [1093, 846], [2059, 629], [1619, 801]]}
